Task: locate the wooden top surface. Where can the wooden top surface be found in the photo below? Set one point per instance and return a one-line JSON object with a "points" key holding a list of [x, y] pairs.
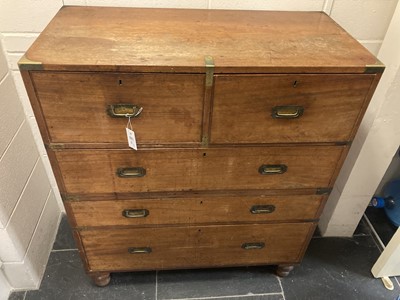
{"points": [[177, 40]]}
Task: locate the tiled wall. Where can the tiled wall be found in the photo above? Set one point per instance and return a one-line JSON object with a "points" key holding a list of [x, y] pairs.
{"points": [[29, 212], [20, 23], [373, 148]]}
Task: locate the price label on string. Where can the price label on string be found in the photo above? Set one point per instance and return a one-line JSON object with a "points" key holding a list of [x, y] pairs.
{"points": [[130, 134]]}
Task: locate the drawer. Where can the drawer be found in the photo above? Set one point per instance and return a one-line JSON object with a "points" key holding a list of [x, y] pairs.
{"points": [[77, 106], [196, 210], [194, 246], [128, 171], [287, 108]]}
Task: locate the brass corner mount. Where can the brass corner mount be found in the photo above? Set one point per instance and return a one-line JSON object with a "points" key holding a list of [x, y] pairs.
{"points": [[26, 64]]}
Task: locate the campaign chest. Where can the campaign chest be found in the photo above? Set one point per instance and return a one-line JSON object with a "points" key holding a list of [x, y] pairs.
{"points": [[242, 121]]}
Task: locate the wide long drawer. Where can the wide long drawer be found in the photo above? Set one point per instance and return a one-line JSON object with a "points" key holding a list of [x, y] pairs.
{"points": [[125, 171], [197, 246], [287, 108], [195, 210], [86, 107]]}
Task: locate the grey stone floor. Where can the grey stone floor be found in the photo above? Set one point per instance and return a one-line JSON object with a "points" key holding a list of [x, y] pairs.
{"points": [[333, 268], [384, 228]]}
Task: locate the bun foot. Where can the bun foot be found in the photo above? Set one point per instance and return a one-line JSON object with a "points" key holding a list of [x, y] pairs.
{"points": [[101, 279], [284, 270]]}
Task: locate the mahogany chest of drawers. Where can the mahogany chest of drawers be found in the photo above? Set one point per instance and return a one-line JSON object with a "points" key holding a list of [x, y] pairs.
{"points": [[242, 121]]}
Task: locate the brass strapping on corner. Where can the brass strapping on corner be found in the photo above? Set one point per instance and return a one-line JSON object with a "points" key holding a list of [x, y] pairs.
{"points": [[378, 67], [26, 64], [209, 82], [56, 146], [343, 143], [209, 61], [69, 198], [323, 191], [204, 141]]}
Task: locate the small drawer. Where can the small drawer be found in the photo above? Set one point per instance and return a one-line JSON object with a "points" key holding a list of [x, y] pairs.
{"points": [[92, 107], [242, 168], [195, 246], [196, 210], [287, 108]]}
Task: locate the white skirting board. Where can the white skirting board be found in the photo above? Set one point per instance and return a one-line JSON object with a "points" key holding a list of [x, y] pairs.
{"points": [[388, 263], [5, 288], [27, 274]]}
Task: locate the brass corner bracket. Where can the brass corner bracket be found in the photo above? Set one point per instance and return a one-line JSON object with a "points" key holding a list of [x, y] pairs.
{"points": [[378, 67], [209, 61], [66, 197], [26, 64], [323, 191], [56, 146]]}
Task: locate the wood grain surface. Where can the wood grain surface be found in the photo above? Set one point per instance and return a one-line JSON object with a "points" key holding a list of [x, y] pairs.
{"points": [[242, 107], [170, 40], [194, 246], [199, 210], [202, 148], [75, 106], [86, 171]]}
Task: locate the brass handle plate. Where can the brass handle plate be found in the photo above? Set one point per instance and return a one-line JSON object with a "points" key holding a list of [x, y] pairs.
{"points": [[124, 110], [262, 209], [135, 213], [253, 246], [131, 172], [272, 169], [287, 112], [139, 250]]}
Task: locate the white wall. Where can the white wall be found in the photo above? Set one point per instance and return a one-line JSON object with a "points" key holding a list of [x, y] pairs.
{"points": [[22, 21], [392, 172], [374, 145], [5, 288], [29, 213]]}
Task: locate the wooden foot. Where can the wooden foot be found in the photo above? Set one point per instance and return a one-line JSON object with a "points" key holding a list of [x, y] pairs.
{"points": [[100, 279], [284, 270]]}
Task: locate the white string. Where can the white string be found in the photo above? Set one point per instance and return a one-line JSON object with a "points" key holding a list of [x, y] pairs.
{"points": [[129, 125]]}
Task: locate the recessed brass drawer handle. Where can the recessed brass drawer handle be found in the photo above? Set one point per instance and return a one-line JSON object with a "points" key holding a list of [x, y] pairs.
{"points": [[131, 172], [272, 169], [124, 110], [135, 213], [253, 246], [287, 112], [139, 250], [262, 209]]}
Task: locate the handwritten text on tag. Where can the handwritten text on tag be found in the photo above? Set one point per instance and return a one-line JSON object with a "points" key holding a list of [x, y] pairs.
{"points": [[131, 138]]}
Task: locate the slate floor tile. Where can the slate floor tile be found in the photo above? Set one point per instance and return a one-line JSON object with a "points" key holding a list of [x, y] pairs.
{"points": [[224, 282], [333, 268], [362, 229], [64, 238], [65, 279], [17, 296], [337, 268], [381, 224], [263, 297]]}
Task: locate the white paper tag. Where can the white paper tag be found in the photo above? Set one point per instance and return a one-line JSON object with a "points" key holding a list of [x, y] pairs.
{"points": [[131, 138]]}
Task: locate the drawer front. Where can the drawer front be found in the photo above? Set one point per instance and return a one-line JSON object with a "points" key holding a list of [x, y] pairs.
{"points": [[126, 171], [194, 246], [200, 210], [287, 108], [77, 106]]}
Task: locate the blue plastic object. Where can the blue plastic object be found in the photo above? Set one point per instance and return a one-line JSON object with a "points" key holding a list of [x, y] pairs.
{"points": [[390, 201]]}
